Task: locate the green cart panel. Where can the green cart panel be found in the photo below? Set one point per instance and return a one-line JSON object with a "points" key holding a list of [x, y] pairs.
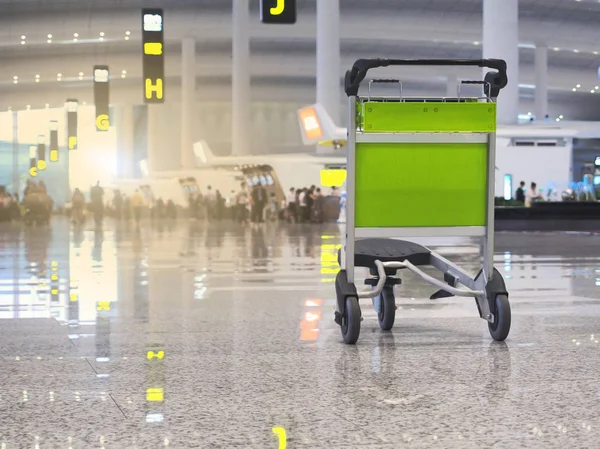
{"points": [[388, 117], [420, 184]]}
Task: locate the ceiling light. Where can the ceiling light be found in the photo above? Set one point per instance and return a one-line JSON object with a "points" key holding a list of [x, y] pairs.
{"points": [[37, 80], [529, 114], [23, 42], [575, 51], [556, 49], [123, 75], [126, 38], [23, 37], [75, 34], [59, 74], [597, 87], [80, 73], [75, 39], [37, 76], [574, 89], [127, 33], [593, 91], [124, 72], [28, 107], [15, 81], [47, 105], [101, 33], [84, 103], [49, 41], [15, 77], [476, 43], [558, 120], [101, 39], [49, 36], [560, 116], [578, 86]]}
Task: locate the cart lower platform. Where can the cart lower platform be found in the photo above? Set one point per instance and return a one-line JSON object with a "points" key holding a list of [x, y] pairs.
{"points": [[385, 257]]}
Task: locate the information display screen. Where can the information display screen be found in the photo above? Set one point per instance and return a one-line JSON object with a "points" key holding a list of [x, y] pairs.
{"points": [[101, 97], [278, 11], [153, 55]]}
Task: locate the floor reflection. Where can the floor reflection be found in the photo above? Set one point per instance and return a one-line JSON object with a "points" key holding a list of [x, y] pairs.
{"points": [[215, 335]]}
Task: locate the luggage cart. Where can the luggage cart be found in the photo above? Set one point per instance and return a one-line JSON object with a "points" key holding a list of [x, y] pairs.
{"points": [[419, 168]]}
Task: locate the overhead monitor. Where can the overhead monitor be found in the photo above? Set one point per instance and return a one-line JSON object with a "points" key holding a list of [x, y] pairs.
{"points": [[101, 97], [153, 61], [278, 12]]}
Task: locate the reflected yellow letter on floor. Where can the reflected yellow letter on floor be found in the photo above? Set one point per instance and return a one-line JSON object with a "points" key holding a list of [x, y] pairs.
{"points": [[280, 432]]}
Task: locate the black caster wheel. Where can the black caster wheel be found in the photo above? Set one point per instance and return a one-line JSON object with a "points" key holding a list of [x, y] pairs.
{"points": [[351, 321], [387, 312], [500, 328]]}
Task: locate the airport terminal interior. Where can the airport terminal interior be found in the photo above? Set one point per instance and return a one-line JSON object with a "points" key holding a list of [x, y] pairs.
{"points": [[312, 224]]}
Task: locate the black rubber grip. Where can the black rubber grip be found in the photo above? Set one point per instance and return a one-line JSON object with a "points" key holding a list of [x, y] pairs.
{"points": [[472, 82], [495, 81], [385, 81]]}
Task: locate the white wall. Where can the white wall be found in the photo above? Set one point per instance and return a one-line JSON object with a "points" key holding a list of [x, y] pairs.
{"points": [[546, 166]]}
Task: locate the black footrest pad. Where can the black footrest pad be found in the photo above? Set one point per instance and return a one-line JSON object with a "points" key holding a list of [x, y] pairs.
{"points": [[367, 251]]}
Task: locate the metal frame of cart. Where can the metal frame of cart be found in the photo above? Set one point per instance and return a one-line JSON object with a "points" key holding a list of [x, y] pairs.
{"points": [[419, 167]]}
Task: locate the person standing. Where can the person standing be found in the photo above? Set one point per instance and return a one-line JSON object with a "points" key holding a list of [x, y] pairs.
{"points": [[532, 195], [210, 201], [259, 201], [137, 202], [291, 206], [242, 205], [97, 199], [520, 193]]}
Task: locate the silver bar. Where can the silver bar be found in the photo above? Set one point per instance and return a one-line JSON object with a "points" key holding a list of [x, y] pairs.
{"points": [[445, 266], [422, 137], [350, 188], [458, 231], [467, 292], [488, 247]]}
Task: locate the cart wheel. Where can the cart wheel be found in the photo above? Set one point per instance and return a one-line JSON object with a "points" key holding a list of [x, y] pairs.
{"points": [[351, 321], [501, 327], [387, 313]]}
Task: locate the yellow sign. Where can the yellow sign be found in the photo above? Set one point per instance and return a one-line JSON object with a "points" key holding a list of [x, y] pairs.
{"points": [[279, 8], [102, 122], [53, 155], [152, 89], [103, 305], [155, 355], [41, 165], [73, 297], [33, 171], [153, 48], [281, 435], [333, 178], [155, 395], [72, 142]]}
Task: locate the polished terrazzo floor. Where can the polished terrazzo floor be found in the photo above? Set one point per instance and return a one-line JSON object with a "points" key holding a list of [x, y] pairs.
{"points": [[191, 335]]}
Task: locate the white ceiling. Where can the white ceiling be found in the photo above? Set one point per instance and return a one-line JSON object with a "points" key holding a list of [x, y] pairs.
{"points": [[286, 54]]}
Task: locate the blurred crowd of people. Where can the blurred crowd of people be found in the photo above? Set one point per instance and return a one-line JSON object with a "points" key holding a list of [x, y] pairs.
{"points": [[257, 205], [254, 204], [36, 204]]}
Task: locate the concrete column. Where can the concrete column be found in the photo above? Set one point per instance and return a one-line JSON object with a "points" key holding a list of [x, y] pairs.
{"points": [[188, 101], [154, 144], [125, 146], [328, 57], [501, 40], [541, 82], [240, 79]]}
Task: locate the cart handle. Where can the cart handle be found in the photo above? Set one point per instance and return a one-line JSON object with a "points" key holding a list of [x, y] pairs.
{"points": [[496, 80]]}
